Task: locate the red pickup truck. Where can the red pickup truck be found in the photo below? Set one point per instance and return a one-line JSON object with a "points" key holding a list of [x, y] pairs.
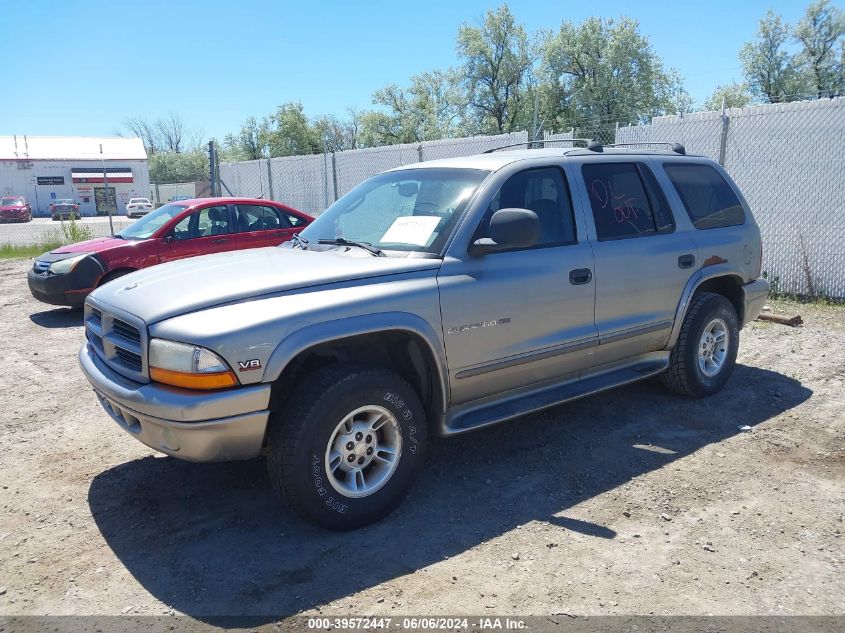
{"points": [[177, 230]]}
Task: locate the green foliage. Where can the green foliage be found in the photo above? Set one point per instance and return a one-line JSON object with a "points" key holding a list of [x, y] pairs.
{"points": [[15, 251], [497, 57], [74, 232], [820, 34], [603, 72], [167, 167], [733, 95], [775, 71]]}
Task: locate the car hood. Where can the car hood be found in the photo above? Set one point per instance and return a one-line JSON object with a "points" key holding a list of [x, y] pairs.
{"points": [[92, 246], [13, 207], [176, 288]]}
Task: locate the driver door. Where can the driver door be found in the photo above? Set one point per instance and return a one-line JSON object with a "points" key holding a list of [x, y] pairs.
{"points": [[208, 230], [525, 316]]}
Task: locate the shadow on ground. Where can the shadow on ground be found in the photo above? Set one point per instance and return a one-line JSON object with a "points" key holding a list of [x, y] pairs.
{"points": [[59, 318], [212, 540]]}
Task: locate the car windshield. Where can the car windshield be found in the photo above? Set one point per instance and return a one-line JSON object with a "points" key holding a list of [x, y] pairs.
{"points": [[139, 200], [152, 222], [10, 201], [64, 201], [408, 210]]}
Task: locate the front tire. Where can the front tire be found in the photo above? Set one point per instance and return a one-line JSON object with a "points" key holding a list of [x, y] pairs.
{"points": [[348, 446], [704, 356]]}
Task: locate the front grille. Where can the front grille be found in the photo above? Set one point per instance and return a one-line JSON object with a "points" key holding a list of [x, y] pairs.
{"points": [[127, 331], [118, 339], [130, 359]]}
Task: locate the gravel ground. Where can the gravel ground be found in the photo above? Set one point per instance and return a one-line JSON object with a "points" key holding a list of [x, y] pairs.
{"points": [[630, 502]]}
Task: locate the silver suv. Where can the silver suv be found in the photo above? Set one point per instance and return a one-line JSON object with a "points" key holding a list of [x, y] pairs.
{"points": [[432, 299]]}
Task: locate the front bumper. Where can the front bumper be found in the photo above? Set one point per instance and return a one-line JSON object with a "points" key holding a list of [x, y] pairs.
{"points": [[60, 290], [754, 297], [198, 426]]}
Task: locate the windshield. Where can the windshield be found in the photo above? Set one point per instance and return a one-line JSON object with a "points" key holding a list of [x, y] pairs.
{"points": [[64, 201], [410, 210], [6, 202], [151, 222]]}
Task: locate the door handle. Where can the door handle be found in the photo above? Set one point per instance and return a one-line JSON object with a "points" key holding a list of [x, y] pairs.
{"points": [[686, 261], [220, 240], [580, 276]]}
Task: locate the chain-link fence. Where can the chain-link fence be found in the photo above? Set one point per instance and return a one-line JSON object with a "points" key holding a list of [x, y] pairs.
{"points": [[788, 159]]}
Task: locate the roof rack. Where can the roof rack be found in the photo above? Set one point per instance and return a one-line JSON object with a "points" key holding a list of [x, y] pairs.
{"points": [[675, 147], [589, 143]]}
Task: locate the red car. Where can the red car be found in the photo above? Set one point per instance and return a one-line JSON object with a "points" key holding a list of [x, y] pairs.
{"points": [[15, 209], [64, 209], [177, 230]]}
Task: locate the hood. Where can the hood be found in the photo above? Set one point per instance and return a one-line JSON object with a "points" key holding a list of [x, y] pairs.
{"points": [[12, 207], [168, 290], [92, 246]]}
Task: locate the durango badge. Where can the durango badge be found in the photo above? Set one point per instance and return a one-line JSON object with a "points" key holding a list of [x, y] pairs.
{"points": [[249, 365]]}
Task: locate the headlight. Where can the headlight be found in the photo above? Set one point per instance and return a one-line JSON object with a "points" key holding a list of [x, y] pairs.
{"points": [[188, 366], [66, 265]]}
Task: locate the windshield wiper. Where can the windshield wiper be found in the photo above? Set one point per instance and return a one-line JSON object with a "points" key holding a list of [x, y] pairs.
{"points": [[300, 241], [342, 241]]}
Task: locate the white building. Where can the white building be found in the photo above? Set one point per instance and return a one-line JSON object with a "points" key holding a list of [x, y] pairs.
{"points": [[47, 168]]}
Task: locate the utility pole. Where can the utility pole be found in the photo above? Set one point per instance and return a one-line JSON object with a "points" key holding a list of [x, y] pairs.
{"points": [[106, 191]]}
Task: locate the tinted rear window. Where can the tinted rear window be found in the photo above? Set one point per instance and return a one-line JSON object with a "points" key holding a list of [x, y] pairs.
{"points": [[709, 200]]}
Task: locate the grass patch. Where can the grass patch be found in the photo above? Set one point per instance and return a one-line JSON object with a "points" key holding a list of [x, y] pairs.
{"points": [[18, 251]]}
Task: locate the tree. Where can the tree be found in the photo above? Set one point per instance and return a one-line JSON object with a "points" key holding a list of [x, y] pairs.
{"points": [[145, 130], [601, 72], [771, 72], [167, 167], [430, 108], [290, 132], [732, 95], [497, 57], [172, 133], [335, 134], [249, 142], [819, 32]]}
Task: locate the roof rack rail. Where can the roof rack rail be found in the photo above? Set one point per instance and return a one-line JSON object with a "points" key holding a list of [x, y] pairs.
{"points": [[589, 143], [675, 147]]}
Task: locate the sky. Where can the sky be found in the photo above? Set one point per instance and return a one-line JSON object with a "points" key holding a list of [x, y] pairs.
{"points": [[82, 68]]}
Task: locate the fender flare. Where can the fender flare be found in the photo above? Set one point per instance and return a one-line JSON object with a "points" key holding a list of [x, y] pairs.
{"points": [[307, 337], [693, 283]]}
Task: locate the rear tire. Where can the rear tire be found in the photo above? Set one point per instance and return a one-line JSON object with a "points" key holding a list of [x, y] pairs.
{"points": [[348, 445], [705, 354]]}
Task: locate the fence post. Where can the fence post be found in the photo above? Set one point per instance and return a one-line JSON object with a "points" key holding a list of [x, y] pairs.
{"points": [[212, 165], [723, 140], [420, 152], [334, 174], [270, 178]]}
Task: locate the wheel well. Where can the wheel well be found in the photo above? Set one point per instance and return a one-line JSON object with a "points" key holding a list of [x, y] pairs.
{"points": [[112, 274], [400, 351], [729, 287]]}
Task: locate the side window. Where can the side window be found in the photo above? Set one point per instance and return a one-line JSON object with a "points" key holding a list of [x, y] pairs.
{"points": [[294, 220], [626, 200], [203, 223], [545, 192], [254, 217], [709, 200]]}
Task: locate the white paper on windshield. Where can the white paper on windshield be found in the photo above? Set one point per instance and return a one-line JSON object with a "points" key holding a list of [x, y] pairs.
{"points": [[411, 229]]}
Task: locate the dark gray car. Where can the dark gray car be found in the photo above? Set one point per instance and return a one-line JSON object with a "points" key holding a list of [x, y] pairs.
{"points": [[436, 298]]}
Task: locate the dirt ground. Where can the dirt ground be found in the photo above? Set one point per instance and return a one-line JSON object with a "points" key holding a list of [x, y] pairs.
{"points": [[630, 502]]}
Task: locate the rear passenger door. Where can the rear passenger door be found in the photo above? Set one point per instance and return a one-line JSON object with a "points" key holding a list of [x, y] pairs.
{"points": [[261, 225], [642, 259]]}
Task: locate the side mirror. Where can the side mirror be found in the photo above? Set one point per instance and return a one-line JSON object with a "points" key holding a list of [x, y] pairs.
{"points": [[168, 239], [509, 228]]}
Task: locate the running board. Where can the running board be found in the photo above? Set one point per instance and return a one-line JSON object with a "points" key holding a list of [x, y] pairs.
{"points": [[484, 415]]}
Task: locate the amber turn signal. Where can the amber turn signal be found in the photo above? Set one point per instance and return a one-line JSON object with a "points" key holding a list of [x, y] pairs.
{"points": [[216, 380]]}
